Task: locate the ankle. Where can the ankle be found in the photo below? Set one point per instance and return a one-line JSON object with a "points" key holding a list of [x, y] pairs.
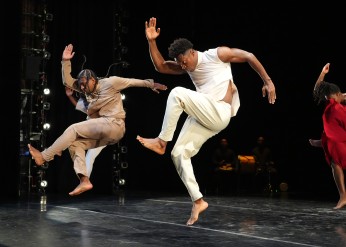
{"points": [[83, 178], [198, 201]]}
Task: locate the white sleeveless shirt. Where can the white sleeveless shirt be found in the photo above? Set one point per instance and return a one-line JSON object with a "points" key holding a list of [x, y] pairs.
{"points": [[212, 77]]}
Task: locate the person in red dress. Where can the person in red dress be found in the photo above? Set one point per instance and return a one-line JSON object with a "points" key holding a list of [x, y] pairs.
{"points": [[333, 139]]}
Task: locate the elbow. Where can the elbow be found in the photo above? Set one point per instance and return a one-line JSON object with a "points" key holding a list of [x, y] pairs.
{"points": [[157, 69], [162, 71], [251, 56]]}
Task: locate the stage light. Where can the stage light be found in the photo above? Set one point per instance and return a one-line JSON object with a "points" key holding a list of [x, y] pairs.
{"points": [[46, 55], [123, 96], [122, 181], [46, 106], [124, 165], [46, 91], [49, 16], [123, 149], [45, 38], [43, 183], [46, 126]]}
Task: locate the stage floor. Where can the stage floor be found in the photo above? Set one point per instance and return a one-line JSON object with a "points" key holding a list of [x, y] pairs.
{"points": [[152, 219]]}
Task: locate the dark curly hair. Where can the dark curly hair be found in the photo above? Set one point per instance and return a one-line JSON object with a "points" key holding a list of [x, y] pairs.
{"points": [[179, 46], [324, 90]]}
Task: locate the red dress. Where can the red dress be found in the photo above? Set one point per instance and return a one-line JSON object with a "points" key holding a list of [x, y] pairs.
{"points": [[334, 134]]}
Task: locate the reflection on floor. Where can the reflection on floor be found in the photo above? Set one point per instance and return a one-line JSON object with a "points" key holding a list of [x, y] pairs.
{"points": [[130, 218]]}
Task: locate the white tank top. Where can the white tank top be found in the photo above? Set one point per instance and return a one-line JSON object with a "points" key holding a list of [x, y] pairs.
{"points": [[212, 77]]}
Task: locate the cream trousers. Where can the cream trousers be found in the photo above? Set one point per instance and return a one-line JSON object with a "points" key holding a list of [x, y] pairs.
{"points": [[206, 118]]}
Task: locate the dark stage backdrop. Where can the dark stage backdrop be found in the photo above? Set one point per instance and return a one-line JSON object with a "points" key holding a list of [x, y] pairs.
{"points": [[10, 68], [292, 42]]}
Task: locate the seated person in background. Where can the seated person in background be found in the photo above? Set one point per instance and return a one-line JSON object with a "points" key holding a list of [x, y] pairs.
{"points": [[224, 157], [265, 167], [224, 165], [263, 155]]}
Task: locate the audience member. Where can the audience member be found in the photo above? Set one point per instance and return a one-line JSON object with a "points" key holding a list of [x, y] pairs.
{"points": [[266, 178]]}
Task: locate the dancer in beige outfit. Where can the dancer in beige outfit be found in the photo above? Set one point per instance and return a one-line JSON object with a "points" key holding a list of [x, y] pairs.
{"points": [[105, 124]]}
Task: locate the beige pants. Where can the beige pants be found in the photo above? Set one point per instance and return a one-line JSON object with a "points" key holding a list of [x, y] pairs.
{"points": [[206, 118], [79, 137]]}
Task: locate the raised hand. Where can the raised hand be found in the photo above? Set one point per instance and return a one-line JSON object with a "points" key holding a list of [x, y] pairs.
{"points": [[150, 29], [68, 53], [68, 91], [325, 69]]}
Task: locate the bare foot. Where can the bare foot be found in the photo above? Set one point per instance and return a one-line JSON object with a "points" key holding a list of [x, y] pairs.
{"points": [[198, 207], [341, 202], [157, 145], [84, 185], [36, 155]]}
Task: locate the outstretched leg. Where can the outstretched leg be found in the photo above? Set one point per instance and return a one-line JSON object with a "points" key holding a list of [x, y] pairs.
{"points": [[338, 175], [154, 144], [36, 155], [83, 186], [198, 207]]}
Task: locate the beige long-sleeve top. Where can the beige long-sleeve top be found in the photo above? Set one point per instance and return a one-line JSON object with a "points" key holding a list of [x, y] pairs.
{"points": [[106, 100]]}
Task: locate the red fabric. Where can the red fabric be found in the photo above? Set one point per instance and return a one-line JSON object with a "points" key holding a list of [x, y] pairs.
{"points": [[334, 134]]}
